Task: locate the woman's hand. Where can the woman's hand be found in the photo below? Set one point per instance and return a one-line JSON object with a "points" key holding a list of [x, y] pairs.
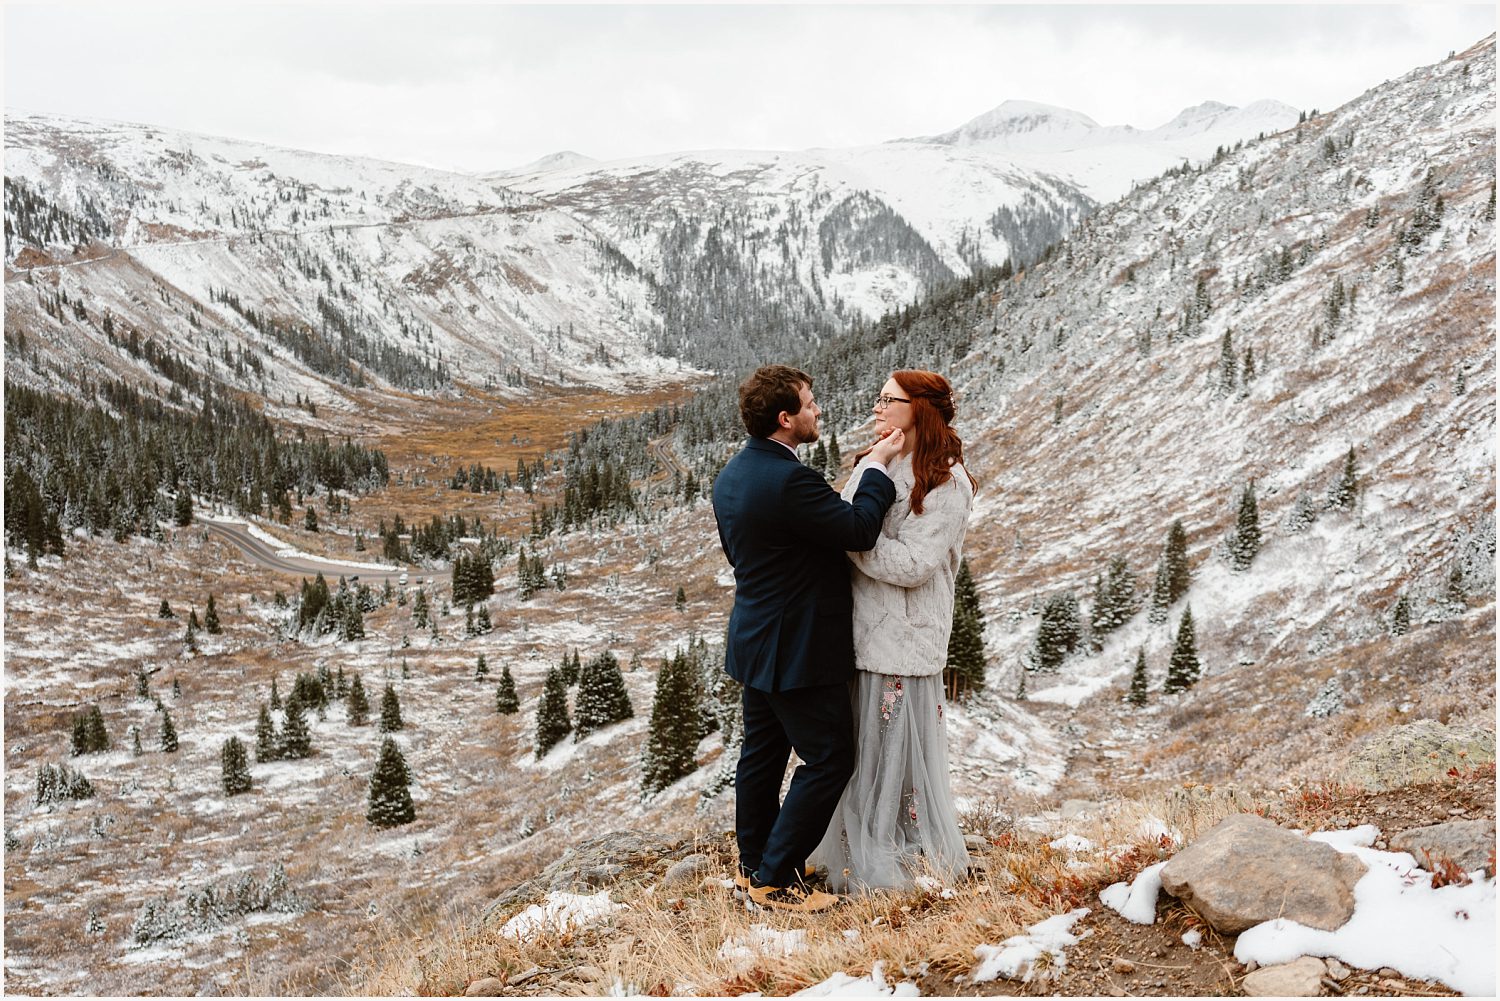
{"points": [[889, 446]]}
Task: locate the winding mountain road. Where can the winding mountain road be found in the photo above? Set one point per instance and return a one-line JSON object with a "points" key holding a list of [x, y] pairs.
{"points": [[265, 554]]}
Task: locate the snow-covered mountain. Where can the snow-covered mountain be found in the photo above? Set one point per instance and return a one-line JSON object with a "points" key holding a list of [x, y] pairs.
{"points": [[319, 273], [1105, 160], [562, 160]]}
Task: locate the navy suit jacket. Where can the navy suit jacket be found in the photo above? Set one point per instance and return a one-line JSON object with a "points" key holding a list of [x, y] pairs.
{"points": [[785, 532]]}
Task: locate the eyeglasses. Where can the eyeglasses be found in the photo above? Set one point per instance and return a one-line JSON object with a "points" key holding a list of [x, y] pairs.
{"points": [[882, 401]]}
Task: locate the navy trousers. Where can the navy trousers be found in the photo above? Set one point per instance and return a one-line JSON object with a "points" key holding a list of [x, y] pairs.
{"points": [[776, 837]]}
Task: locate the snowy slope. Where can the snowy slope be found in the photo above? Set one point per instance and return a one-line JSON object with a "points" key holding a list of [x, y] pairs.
{"points": [[1098, 411], [449, 269]]}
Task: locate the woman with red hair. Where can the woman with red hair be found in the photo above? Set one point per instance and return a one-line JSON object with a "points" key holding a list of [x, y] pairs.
{"points": [[896, 819]]}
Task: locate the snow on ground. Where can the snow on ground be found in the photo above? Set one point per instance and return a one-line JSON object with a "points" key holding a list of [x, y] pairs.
{"points": [[763, 940], [1445, 934], [1036, 955], [842, 985], [559, 912], [1135, 902]]}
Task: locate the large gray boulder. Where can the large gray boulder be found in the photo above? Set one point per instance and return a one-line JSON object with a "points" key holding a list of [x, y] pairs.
{"points": [[1246, 870], [1418, 752], [1467, 842]]}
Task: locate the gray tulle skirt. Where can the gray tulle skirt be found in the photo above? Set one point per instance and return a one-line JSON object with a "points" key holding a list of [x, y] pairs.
{"points": [[896, 819]]}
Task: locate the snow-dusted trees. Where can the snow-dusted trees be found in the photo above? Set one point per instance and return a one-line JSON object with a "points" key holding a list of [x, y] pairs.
{"points": [[1172, 574], [390, 711], [55, 783], [672, 740], [1137, 696], [1114, 599], [1059, 633], [1343, 491], [234, 767], [552, 722], [168, 732], [390, 802], [1401, 616], [602, 698], [1243, 542], [211, 618], [506, 701], [1183, 670], [964, 670], [357, 704], [89, 735]]}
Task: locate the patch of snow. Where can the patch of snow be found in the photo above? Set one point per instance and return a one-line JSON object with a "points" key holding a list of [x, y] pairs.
{"points": [[1135, 902], [763, 940], [1072, 843], [559, 912], [1036, 955], [1445, 934], [842, 985]]}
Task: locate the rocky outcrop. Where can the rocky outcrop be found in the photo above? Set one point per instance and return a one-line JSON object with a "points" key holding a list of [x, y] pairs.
{"points": [[1469, 843], [620, 857], [1418, 752], [1247, 870]]}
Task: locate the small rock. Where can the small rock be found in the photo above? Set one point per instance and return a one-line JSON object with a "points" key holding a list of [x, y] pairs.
{"points": [[1380, 811], [1251, 966], [489, 987], [1362, 989], [1300, 979], [1393, 984], [1337, 970], [1457, 811], [1389, 972], [1123, 965], [975, 843], [688, 870], [603, 875]]}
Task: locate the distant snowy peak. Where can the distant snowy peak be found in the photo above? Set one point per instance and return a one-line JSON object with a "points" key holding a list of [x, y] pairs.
{"points": [[565, 160], [1020, 125], [1030, 127], [1211, 116]]}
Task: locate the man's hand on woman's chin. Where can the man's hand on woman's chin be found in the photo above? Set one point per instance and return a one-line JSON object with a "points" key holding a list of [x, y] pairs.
{"points": [[889, 446]]}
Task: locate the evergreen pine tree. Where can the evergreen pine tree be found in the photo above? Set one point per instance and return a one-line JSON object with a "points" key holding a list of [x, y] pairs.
{"points": [[235, 767], [135, 741], [1058, 634], [296, 739], [165, 611], [483, 624], [836, 459], [419, 612], [672, 740], [190, 634], [552, 723], [267, 747], [358, 704], [963, 671], [183, 509], [481, 669], [1228, 364], [275, 696], [1244, 541], [168, 732], [602, 697], [506, 701], [1138, 679], [211, 618], [1343, 491], [680, 602], [176, 689], [1401, 617], [1183, 670], [390, 802], [1172, 574], [1247, 369], [142, 685], [390, 711]]}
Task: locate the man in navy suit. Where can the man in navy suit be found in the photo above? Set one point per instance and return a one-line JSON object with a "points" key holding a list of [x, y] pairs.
{"points": [[791, 634]]}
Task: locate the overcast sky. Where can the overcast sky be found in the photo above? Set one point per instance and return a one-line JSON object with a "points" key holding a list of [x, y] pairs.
{"points": [[481, 87]]}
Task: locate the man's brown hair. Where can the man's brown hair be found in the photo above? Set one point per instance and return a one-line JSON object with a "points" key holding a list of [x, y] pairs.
{"points": [[768, 391]]}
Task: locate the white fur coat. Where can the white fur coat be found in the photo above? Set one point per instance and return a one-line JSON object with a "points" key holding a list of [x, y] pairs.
{"points": [[903, 588]]}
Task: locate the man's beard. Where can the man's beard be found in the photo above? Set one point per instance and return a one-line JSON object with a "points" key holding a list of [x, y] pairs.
{"points": [[808, 437]]}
